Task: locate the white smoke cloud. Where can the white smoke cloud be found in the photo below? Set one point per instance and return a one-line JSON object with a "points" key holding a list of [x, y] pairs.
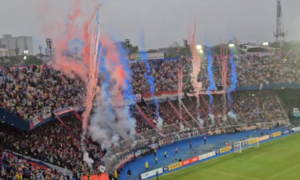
{"points": [[110, 123], [181, 126], [201, 121], [212, 118], [232, 115], [160, 123], [87, 159]]}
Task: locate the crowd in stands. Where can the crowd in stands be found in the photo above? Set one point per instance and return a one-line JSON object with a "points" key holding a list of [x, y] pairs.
{"points": [[30, 92], [52, 143], [16, 167], [248, 106]]}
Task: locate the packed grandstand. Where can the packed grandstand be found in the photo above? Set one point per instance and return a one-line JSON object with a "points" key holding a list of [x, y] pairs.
{"points": [[41, 112]]}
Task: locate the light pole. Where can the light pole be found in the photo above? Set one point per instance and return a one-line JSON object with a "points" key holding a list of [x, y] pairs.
{"points": [[49, 44], [127, 43], [185, 42]]}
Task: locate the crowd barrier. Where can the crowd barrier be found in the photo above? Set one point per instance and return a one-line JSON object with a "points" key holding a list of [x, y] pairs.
{"points": [[222, 151]]}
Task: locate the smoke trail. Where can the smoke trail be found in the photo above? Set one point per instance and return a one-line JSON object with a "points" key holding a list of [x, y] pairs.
{"points": [[212, 118], [233, 116], [201, 121], [112, 117], [210, 74], [91, 88], [181, 127], [196, 63], [150, 78], [233, 75]]}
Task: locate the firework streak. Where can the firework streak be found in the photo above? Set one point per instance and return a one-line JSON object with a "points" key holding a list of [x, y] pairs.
{"points": [[210, 75], [151, 80], [196, 62], [94, 63], [233, 75]]}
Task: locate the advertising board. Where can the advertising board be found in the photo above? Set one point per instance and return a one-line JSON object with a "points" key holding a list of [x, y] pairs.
{"points": [[190, 161], [165, 168], [225, 149], [151, 173], [296, 129], [174, 166], [252, 141], [276, 134], [207, 155], [263, 138], [286, 132]]}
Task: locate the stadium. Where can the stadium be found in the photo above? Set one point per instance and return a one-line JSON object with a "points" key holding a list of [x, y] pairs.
{"points": [[114, 111]]}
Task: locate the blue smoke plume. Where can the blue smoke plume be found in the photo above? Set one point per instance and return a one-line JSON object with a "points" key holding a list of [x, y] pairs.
{"points": [[75, 45], [148, 75], [211, 75], [128, 90], [233, 75]]}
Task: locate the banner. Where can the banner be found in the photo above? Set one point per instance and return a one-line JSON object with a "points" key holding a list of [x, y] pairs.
{"points": [[150, 56], [207, 155], [165, 141], [263, 138], [190, 161], [252, 141], [174, 166], [286, 132], [46, 116], [160, 99], [63, 111], [225, 149], [295, 129], [276, 134], [151, 173], [205, 93], [160, 93]]}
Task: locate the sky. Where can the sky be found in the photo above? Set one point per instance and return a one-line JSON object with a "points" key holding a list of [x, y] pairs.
{"points": [[163, 21]]}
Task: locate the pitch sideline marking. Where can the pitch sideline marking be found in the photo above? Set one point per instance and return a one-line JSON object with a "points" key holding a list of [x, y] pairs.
{"points": [[267, 153], [229, 174], [283, 171]]}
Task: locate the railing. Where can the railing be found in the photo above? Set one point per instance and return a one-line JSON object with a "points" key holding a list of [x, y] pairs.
{"points": [[125, 152]]}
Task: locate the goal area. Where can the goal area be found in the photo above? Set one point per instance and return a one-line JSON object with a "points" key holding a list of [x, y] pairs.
{"points": [[239, 146]]}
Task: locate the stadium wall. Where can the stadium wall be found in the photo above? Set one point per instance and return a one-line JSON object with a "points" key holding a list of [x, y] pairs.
{"points": [[42, 164], [213, 154]]}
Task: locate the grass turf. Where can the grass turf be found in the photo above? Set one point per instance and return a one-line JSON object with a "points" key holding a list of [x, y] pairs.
{"points": [[274, 160]]}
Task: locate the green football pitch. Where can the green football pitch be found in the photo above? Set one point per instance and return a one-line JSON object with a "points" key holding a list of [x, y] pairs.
{"points": [[274, 160]]}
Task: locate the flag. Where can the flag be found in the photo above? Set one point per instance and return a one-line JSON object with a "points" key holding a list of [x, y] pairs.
{"points": [[31, 124]]}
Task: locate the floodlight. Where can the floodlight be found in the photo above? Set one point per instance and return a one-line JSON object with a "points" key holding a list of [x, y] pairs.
{"points": [[265, 43], [231, 45], [199, 47]]}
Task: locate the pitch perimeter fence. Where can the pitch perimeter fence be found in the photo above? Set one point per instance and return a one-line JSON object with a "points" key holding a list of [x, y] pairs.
{"points": [[116, 157]]}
